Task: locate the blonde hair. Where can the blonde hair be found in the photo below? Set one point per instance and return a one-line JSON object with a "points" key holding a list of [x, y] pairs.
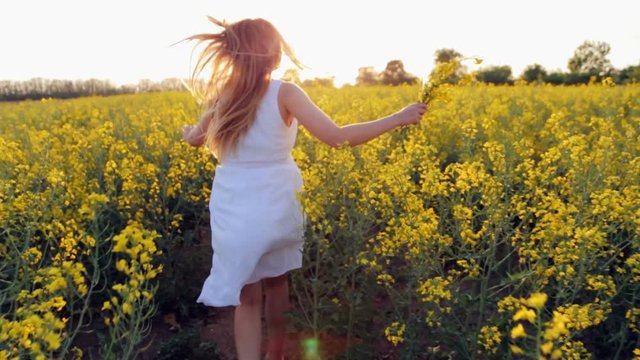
{"points": [[242, 57]]}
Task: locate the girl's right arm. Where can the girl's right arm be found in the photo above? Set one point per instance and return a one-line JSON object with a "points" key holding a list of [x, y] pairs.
{"points": [[296, 102], [195, 135]]}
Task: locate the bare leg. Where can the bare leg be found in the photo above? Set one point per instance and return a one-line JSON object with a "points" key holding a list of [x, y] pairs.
{"points": [[247, 322], [277, 302]]}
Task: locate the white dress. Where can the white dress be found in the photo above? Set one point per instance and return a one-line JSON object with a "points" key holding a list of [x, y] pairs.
{"points": [[257, 223]]}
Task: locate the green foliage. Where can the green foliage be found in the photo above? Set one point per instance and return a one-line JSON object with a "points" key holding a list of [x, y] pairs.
{"points": [[75, 173], [555, 78], [496, 74], [591, 57], [399, 248], [629, 75], [38, 88], [186, 345], [575, 78], [534, 73], [427, 228], [445, 55], [395, 74], [367, 76]]}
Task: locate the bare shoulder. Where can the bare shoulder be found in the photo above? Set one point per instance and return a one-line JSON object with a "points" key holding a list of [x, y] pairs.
{"points": [[289, 91], [287, 95], [293, 97]]}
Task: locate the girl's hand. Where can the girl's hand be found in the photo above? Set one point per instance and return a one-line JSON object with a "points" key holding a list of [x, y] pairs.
{"points": [[186, 130], [411, 114]]}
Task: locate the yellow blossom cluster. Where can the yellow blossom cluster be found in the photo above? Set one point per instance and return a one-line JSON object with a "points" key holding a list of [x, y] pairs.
{"points": [[138, 247], [553, 337], [490, 338], [498, 192], [394, 333], [633, 315], [71, 172]]}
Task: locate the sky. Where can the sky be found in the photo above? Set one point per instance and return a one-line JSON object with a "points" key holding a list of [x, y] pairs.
{"points": [[127, 40]]}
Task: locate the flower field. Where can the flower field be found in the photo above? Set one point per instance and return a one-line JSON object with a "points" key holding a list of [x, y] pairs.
{"points": [[505, 225]]}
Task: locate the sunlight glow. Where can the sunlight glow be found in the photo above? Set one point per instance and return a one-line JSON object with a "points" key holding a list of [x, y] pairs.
{"points": [[126, 41], [310, 346]]}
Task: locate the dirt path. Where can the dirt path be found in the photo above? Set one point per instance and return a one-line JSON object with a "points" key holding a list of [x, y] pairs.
{"points": [[217, 327]]}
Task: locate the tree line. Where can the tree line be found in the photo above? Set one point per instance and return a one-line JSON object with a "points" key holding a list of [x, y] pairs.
{"points": [[38, 88], [589, 62]]}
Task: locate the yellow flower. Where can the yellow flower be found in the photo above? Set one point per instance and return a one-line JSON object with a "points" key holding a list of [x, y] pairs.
{"points": [[394, 333], [489, 337], [536, 300], [121, 265], [385, 280], [52, 340], [546, 347], [518, 331], [525, 314], [127, 308], [556, 327], [509, 303], [516, 350]]}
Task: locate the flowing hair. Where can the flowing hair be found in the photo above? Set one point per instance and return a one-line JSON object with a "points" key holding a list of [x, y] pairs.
{"points": [[242, 57]]}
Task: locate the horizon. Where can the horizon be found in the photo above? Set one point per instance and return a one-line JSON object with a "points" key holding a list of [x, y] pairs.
{"points": [[124, 43]]}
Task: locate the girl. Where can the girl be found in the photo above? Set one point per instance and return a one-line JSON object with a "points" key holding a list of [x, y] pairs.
{"points": [[249, 122]]}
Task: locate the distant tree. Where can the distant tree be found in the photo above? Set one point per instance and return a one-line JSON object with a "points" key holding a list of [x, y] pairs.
{"points": [[172, 84], [629, 75], [591, 57], [5, 89], [62, 88], [574, 78], [395, 74], [555, 78], [561, 78], [292, 75], [127, 89], [319, 81], [534, 73], [367, 76], [38, 88], [147, 85], [495, 74], [445, 55]]}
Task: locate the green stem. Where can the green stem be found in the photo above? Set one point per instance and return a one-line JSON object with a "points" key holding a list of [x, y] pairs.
{"points": [[538, 328], [350, 321], [315, 291]]}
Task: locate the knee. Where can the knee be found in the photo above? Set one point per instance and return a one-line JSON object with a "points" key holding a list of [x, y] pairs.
{"points": [[251, 294]]}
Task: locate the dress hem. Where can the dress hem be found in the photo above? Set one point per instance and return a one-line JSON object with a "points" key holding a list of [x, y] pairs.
{"points": [[213, 304]]}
